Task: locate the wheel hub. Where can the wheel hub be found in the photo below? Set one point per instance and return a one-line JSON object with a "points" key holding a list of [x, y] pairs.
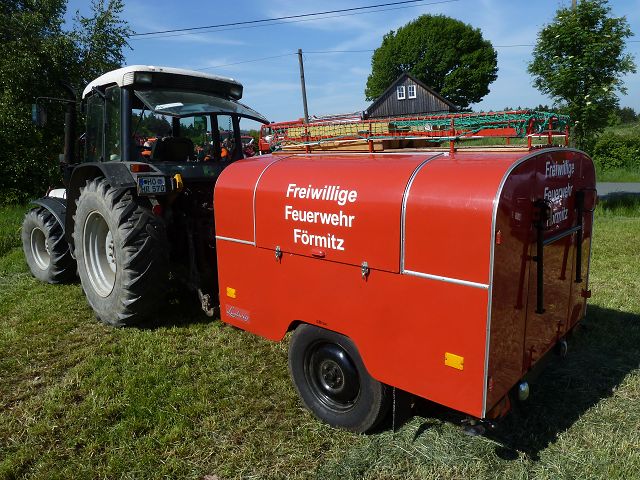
{"points": [[332, 376], [40, 249], [110, 251], [99, 254]]}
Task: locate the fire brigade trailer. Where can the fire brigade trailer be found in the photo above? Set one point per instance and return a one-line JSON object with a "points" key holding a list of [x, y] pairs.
{"points": [[449, 276]]}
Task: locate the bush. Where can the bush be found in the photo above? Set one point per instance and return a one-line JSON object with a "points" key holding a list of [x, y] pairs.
{"points": [[612, 152]]}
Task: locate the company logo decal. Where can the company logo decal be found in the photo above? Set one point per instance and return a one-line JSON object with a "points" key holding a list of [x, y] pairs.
{"points": [[240, 314]]}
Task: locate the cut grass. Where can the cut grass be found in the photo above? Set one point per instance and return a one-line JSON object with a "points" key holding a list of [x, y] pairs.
{"points": [[10, 221], [195, 397], [618, 205]]}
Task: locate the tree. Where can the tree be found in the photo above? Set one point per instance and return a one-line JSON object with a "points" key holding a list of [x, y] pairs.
{"points": [[627, 115], [37, 55], [579, 61], [447, 55]]}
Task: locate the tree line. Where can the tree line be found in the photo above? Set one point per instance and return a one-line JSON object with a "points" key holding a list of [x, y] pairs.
{"points": [[579, 61], [40, 54]]}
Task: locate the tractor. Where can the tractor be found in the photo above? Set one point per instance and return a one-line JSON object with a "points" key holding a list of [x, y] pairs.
{"points": [[132, 220]]}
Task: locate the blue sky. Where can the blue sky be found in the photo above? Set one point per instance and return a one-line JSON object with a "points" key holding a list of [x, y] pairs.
{"points": [[336, 81]]}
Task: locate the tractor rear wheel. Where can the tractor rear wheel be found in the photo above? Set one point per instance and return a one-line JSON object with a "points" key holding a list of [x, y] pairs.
{"points": [[333, 382], [122, 253], [45, 249]]}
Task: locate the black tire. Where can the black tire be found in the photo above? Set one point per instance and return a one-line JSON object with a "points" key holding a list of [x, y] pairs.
{"points": [[332, 381], [125, 271], [45, 248]]}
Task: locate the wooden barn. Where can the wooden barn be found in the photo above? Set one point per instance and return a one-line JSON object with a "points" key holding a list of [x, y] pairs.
{"points": [[408, 96]]}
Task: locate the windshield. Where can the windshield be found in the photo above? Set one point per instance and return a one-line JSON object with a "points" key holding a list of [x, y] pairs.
{"points": [[179, 103]]}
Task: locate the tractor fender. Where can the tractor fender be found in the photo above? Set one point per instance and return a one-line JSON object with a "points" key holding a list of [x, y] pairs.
{"points": [[57, 206], [117, 175]]}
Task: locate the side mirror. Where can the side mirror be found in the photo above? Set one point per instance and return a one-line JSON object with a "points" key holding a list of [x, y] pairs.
{"points": [[38, 115]]}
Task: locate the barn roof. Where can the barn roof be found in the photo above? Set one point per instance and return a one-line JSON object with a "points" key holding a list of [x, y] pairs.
{"points": [[382, 96]]}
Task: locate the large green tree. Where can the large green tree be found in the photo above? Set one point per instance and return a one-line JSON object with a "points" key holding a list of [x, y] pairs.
{"points": [[38, 54], [446, 54], [579, 60]]}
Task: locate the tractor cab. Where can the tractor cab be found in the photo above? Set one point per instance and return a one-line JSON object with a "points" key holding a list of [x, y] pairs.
{"points": [[172, 118]]}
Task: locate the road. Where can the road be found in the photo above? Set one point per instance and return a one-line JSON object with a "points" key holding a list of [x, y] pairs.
{"points": [[606, 188]]}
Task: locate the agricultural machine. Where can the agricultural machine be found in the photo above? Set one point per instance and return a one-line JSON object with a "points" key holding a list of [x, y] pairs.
{"points": [[128, 220], [396, 263]]}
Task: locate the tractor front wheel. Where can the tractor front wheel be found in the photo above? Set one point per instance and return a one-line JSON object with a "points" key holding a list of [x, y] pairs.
{"points": [[122, 254], [45, 249]]}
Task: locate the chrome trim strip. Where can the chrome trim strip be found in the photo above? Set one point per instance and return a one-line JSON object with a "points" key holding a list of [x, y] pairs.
{"points": [[235, 240], [440, 278], [403, 213], [496, 201], [255, 189], [586, 278]]}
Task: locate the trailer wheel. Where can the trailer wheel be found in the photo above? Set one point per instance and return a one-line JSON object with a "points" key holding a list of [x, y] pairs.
{"points": [[45, 249], [333, 382], [122, 254]]}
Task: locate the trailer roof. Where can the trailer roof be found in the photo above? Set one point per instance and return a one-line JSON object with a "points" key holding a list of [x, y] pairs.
{"points": [[124, 76]]}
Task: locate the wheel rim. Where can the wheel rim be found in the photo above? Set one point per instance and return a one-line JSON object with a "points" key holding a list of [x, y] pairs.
{"points": [[40, 249], [99, 254], [332, 377]]}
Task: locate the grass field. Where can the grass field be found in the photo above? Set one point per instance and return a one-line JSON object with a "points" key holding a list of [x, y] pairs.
{"points": [[193, 397]]}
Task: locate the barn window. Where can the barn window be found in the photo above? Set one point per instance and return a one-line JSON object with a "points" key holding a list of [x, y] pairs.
{"points": [[400, 92], [411, 91]]}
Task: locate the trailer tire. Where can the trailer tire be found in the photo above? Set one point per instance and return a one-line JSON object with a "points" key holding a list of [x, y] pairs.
{"points": [[122, 253], [45, 248], [332, 381]]}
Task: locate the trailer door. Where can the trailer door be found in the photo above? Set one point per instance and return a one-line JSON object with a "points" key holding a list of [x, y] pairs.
{"points": [[557, 229]]}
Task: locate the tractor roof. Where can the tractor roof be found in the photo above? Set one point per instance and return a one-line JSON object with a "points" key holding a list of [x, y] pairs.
{"points": [[126, 76]]}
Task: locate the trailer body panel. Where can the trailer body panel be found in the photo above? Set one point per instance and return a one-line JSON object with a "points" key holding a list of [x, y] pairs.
{"points": [[442, 306]]}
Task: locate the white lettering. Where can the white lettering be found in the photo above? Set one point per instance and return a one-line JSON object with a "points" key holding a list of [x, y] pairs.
{"points": [[339, 219], [557, 194], [325, 241], [332, 193], [565, 168]]}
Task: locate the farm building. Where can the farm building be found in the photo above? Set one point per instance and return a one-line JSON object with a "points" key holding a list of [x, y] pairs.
{"points": [[408, 96]]}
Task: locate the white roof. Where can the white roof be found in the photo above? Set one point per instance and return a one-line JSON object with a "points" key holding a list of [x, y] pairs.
{"points": [[124, 76]]}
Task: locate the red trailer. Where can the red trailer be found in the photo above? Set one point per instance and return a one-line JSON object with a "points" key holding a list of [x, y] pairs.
{"points": [[449, 276]]}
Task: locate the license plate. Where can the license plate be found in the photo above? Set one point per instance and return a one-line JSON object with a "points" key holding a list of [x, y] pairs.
{"points": [[151, 185]]}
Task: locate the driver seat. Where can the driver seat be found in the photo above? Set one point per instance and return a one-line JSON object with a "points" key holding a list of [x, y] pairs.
{"points": [[172, 149]]}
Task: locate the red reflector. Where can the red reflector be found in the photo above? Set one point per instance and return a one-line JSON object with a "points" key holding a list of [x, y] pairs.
{"points": [[139, 167], [498, 237], [157, 210], [586, 293]]}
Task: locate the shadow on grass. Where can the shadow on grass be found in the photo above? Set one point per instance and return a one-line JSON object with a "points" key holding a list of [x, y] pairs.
{"points": [[603, 350], [620, 203], [181, 308]]}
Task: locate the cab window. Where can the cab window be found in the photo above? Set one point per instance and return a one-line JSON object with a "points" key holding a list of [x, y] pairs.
{"points": [[95, 131], [112, 124]]}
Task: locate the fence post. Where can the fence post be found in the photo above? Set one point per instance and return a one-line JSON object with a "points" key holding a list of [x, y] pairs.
{"points": [[452, 134]]}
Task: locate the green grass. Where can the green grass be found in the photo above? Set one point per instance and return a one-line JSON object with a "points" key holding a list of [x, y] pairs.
{"points": [[629, 130], [618, 205], [10, 221], [195, 397], [626, 130], [618, 175]]}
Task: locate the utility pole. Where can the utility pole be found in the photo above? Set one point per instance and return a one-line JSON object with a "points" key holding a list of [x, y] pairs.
{"points": [[304, 89], [574, 4]]}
